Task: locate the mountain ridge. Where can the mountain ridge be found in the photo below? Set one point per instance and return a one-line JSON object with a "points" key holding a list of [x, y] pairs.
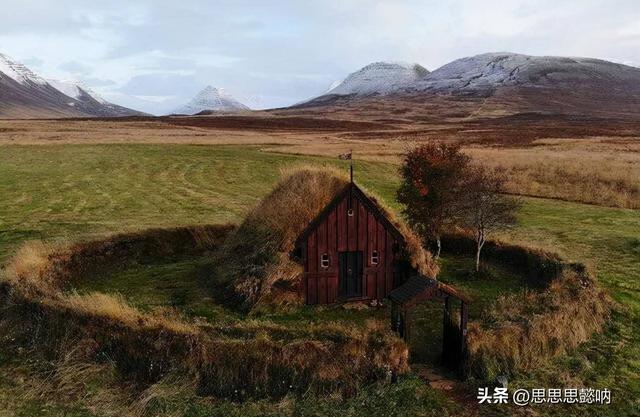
{"points": [[25, 94], [479, 72], [513, 82]]}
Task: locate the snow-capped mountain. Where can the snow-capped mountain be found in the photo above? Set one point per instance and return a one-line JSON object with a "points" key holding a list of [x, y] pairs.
{"points": [[24, 94], [75, 90], [379, 78], [211, 99], [18, 72], [483, 75], [487, 72]]}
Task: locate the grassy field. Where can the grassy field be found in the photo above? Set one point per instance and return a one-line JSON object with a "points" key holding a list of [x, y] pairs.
{"points": [[78, 191], [69, 191], [586, 161]]}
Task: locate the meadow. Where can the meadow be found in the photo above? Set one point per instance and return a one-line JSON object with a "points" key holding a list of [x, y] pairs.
{"points": [[589, 162], [80, 191]]}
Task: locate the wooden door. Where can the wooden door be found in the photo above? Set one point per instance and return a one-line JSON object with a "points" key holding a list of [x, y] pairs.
{"points": [[350, 274]]}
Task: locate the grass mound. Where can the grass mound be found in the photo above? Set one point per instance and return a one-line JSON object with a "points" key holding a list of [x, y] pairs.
{"points": [[255, 263], [522, 331], [44, 269], [38, 310]]}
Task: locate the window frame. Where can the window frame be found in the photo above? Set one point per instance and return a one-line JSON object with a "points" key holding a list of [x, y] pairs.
{"points": [[325, 261], [375, 257]]}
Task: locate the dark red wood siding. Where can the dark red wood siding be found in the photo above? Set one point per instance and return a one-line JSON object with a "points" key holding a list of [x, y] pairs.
{"points": [[338, 232]]}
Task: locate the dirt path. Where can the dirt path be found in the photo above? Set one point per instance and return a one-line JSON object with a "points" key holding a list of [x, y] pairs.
{"points": [[442, 380]]}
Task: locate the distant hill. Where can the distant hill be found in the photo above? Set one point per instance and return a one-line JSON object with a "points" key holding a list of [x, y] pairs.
{"points": [[211, 100], [380, 78], [506, 82], [24, 94]]}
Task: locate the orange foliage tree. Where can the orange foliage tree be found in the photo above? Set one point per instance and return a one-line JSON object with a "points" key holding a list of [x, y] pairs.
{"points": [[433, 182]]}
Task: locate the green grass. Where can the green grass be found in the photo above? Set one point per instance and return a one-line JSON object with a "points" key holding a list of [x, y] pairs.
{"points": [[79, 191], [484, 287], [170, 283], [606, 239], [178, 283]]}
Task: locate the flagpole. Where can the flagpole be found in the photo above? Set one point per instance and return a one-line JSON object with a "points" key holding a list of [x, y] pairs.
{"points": [[351, 180], [351, 165]]}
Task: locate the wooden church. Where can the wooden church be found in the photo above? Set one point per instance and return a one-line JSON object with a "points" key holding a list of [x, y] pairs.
{"points": [[351, 251]]}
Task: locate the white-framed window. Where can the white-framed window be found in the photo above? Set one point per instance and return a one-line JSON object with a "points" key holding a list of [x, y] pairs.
{"points": [[324, 260], [374, 257]]}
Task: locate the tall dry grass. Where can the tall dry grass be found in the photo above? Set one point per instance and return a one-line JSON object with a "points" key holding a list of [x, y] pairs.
{"points": [[601, 171], [29, 269], [597, 172], [522, 332]]}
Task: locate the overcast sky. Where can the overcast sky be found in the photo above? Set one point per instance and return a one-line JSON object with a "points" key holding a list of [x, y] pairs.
{"points": [[155, 55]]}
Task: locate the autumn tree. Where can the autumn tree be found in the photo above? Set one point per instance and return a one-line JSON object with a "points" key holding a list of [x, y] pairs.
{"points": [[486, 208], [433, 178]]}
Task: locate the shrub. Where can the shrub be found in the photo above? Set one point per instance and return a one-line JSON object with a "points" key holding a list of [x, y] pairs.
{"points": [[432, 188]]}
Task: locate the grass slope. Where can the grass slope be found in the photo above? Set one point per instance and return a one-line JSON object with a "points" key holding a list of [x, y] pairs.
{"points": [[75, 191]]}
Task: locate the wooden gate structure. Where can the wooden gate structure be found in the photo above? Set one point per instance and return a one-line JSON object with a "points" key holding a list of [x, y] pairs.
{"points": [[419, 289]]}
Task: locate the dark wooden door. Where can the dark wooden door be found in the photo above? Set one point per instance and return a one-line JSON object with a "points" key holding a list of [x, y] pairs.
{"points": [[350, 276]]}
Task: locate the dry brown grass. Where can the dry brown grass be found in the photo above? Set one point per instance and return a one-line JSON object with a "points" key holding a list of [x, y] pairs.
{"points": [[114, 308], [602, 171], [597, 171], [30, 266], [522, 332]]}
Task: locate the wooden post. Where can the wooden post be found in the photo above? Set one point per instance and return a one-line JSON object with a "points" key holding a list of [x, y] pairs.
{"points": [[395, 318], [406, 326], [464, 316], [446, 319]]}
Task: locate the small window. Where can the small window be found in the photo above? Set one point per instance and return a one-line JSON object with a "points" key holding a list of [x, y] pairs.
{"points": [[374, 257], [324, 260]]}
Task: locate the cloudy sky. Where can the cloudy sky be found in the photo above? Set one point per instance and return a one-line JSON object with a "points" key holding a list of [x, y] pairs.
{"points": [[155, 55]]}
